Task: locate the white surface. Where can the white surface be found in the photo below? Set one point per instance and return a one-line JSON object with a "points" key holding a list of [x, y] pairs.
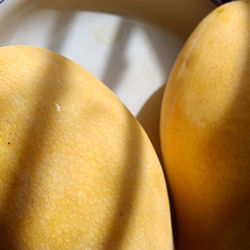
{"points": [[132, 58]]}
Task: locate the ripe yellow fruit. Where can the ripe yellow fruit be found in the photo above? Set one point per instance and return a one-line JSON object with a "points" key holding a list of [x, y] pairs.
{"points": [[205, 133], [77, 171]]}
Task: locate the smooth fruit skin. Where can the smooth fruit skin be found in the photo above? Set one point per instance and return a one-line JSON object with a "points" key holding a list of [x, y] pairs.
{"points": [[77, 171], [205, 133]]}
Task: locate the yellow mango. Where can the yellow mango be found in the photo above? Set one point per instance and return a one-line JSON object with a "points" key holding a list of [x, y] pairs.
{"points": [[205, 133], [77, 171]]}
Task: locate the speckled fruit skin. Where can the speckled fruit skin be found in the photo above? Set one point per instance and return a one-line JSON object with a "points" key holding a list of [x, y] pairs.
{"points": [[77, 171], [205, 133]]}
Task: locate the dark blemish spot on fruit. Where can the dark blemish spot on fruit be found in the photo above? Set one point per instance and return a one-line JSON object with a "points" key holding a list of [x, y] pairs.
{"points": [[120, 213], [8, 143]]}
